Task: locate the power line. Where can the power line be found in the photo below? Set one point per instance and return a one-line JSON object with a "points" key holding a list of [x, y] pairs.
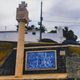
{"points": [[63, 17], [61, 21], [54, 21]]}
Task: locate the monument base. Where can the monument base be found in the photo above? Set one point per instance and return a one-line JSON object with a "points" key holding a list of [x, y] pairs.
{"points": [[37, 76]]}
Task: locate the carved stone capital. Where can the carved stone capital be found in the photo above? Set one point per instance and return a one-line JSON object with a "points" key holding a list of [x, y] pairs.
{"points": [[22, 13]]}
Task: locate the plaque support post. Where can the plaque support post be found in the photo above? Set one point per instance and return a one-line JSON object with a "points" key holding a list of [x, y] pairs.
{"points": [[22, 18]]}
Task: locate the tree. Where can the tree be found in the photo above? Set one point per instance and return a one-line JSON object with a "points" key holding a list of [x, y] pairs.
{"points": [[53, 31], [32, 26], [69, 34], [42, 29], [65, 32]]}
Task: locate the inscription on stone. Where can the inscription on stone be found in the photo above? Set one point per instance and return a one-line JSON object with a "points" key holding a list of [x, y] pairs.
{"points": [[40, 60]]}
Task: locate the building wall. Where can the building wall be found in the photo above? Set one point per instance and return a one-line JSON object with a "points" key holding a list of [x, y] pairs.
{"points": [[29, 37]]}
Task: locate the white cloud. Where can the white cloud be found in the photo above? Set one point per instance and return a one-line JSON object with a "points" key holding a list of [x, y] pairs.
{"points": [[67, 8], [8, 10], [53, 10]]}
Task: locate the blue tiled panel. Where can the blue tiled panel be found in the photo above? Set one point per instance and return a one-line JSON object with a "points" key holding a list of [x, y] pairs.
{"points": [[41, 60]]}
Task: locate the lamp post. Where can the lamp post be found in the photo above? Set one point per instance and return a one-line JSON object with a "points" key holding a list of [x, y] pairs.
{"points": [[22, 18]]}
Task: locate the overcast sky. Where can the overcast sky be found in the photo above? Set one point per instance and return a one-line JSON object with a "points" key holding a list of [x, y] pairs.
{"points": [[55, 12]]}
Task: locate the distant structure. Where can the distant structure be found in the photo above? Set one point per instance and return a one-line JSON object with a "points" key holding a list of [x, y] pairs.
{"points": [[32, 35]]}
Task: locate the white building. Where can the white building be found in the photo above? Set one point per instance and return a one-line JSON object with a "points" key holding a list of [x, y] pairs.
{"points": [[30, 37]]}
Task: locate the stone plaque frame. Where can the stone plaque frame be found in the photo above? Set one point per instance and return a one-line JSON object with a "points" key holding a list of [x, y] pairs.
{"points": [[26, 69]]}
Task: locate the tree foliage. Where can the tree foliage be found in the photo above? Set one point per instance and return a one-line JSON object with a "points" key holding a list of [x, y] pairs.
{"points": [[69, 34], [53, 31]]}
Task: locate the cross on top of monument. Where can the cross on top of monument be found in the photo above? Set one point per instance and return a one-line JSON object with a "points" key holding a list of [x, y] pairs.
{"points": [[23, 5]]}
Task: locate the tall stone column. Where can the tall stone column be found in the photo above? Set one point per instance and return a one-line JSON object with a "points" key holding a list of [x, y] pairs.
{"points": [[22, 18]]}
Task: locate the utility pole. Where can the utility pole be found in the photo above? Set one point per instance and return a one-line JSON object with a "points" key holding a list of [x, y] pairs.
{"points": [[41, 19]]}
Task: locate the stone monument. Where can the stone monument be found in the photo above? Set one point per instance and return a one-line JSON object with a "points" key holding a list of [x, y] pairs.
{"points": [[22, 18]]}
